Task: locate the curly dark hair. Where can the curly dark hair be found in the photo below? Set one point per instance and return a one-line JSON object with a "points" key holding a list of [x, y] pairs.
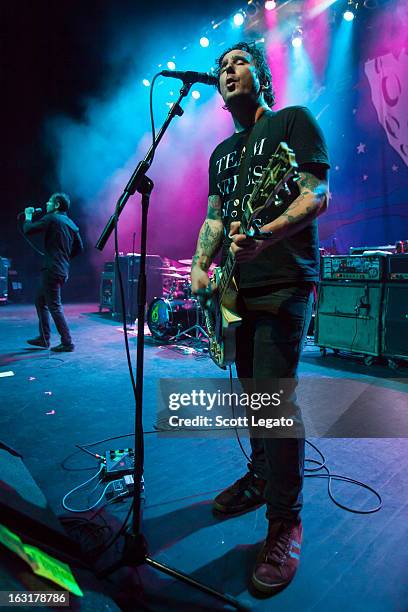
{"points": [[63, 200], [262, 68]]}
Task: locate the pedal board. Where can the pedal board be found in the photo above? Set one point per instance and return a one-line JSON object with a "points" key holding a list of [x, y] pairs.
{"points": [[119, 463]]}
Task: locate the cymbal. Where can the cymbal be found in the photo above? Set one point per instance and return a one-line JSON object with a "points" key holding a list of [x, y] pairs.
{"points": [[176, 275]]}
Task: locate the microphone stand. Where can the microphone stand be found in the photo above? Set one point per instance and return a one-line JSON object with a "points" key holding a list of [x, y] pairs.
{"points": [[135, 552]]}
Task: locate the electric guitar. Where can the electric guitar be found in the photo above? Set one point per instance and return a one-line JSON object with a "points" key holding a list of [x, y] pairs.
{"points": [[264, 205]]}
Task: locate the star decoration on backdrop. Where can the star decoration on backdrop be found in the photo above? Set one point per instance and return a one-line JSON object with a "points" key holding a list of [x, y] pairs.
{"points": [[395, 168], [337, 167], [354, 111], [365, 177], [361, 148]]}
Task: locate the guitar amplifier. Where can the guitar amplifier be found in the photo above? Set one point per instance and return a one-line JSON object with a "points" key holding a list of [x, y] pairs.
{"points": [[353, 267], [4, 267], [395, 320], [348, 316], [397, 267], [109, 293]]}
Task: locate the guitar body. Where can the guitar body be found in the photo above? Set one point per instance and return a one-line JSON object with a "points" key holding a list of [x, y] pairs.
{"points": [[221, 312], [222, 320]]}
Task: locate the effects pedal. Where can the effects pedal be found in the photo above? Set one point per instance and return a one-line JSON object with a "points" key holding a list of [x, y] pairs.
{"points": [[119, 463], [120, 488]]}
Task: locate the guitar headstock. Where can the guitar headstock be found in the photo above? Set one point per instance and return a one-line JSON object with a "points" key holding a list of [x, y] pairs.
{"points": [[268, 191], [281, 168]]}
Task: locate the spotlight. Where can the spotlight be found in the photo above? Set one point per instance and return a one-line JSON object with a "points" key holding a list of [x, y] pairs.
{"points": [[270, 5], [146, 82], [195, 94], [348, 15], [238, 19], [204, 42], [171, 65], [297, 38]]}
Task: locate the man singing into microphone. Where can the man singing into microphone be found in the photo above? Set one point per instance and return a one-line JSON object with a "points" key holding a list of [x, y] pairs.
{"points": [[62, 242], [275, 281]]}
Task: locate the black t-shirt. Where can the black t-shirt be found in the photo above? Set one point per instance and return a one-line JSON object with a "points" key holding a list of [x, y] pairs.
{"points": [[62, 241], [294, 259]]}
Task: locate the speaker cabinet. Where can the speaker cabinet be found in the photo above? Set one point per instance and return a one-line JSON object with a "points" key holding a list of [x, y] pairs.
{"points": [[348, 316], [4, 266], [395, 320], [109, 291]]}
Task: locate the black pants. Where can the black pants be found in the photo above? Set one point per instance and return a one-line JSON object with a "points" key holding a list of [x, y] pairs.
{"points": [[269, 345], [48, 301]]}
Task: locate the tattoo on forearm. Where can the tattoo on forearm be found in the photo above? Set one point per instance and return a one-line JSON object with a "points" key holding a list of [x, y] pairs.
{"points": [[309, 185], [209, 241], [300, 216], [214, 208]]}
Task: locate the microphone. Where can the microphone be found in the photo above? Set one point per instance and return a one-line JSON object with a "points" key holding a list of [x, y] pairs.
{"points": [[36, 210], [190, 76]]}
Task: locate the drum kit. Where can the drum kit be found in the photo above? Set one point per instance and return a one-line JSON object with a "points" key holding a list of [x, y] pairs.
{"points": [[177, 314]]}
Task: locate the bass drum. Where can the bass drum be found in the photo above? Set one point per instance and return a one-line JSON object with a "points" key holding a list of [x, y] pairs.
{"points": [[166, 318]]}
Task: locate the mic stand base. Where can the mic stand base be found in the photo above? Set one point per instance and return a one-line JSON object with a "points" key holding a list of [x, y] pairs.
{"points": [[135, 554]]}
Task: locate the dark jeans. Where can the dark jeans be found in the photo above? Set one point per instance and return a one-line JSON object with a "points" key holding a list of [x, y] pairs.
{"points": [[48, 300], [269, 345]]}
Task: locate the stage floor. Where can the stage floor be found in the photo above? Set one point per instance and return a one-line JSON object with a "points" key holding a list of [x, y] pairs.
{"points": [[54, 401]]}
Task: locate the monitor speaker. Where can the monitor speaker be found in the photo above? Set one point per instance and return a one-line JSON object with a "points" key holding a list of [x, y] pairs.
{"points": [[25, 510]]}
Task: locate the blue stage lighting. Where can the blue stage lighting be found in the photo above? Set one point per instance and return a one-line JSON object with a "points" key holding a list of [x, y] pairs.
{"points": [[195, 94], [171, 65], [238, 19], [348, 15], [204, 42], [146, 82]]}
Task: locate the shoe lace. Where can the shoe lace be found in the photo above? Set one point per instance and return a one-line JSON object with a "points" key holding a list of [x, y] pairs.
{"points": [[278, 543]]}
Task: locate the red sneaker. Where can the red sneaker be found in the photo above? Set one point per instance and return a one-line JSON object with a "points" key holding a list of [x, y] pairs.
{"points": [[279, 558]]}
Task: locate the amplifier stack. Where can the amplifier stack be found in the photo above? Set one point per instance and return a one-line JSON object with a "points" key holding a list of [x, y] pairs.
{"points": [[109, 293], [362, 305]]}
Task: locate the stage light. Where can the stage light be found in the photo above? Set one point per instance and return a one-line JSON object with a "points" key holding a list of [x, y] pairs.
{"points": [[238, 19], [348, 15], [204, 42], [270, 5], [195, 94], [171, 65], [297, 38], [146, 82]]}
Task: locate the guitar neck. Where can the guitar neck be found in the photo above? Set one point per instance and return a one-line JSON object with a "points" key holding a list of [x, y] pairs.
{"points": [[281, 167]]}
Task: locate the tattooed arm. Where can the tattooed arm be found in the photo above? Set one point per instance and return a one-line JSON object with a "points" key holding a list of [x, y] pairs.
{"points": [[311, 202], [209, 241]]}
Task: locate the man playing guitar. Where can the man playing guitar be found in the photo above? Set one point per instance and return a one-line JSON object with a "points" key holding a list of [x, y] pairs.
{"points": [[275, 278]]}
